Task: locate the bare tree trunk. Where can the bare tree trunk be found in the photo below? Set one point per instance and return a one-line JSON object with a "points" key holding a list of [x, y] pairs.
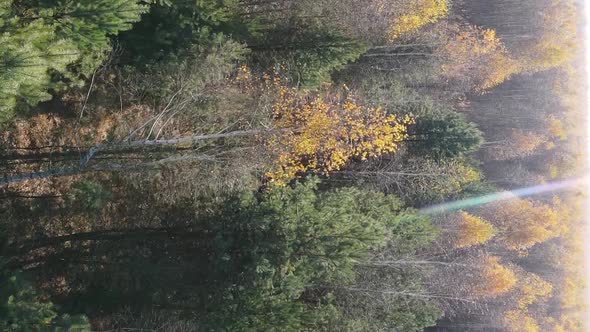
{"points": [[83, 164], [404, 262], [398, 293]]}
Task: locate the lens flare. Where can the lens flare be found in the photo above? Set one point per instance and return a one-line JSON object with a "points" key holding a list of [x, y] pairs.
{"points": [[563, 185]]}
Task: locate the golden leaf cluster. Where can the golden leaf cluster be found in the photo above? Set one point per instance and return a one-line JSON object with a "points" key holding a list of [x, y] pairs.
{"points": [[421, 13], [320, 133], [524, 223], [471, 230], [518, 144], [532, 288], [557, 39], [520, 321], [478, 54], [495, 279]]}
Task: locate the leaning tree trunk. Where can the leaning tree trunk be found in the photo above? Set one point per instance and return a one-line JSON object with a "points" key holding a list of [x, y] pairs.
{"points": [[111, 148]]}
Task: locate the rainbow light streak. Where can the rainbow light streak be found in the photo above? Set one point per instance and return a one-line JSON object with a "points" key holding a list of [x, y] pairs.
{"points": [[564, 185]]}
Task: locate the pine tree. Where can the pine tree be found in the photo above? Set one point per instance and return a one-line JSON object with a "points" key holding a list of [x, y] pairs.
{"points": [[442, 133], [41, 39], [90, 24], [275, 250], [22, 309], [29, 50], [309, 55]]}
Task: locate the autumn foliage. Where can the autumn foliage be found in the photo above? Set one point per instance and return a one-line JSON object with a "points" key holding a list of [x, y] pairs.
{"points": [[471, 230], [523, 223], [494, 278], [518, 144], [477, 57], [520, 321], [293, 165], [532, 288], [418, 14], [555, 42], [320, 133]]}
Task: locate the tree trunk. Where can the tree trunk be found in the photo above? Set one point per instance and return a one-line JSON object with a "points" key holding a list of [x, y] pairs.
{"points": [[113, 148]]}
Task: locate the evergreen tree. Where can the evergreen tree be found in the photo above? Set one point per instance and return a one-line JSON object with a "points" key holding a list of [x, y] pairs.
{"points": [[22, 309], [272, 254], [442, 133], [169, 27], [45, 42], [30, 48], [90, 24], [308, 54]]}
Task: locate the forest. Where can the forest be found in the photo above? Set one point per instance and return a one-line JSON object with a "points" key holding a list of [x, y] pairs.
{"points": [[292, 165]]}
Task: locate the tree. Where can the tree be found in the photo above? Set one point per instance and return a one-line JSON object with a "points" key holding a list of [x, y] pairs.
{"points": [[30, 50], [306, 54], [532, 289], [417, 180], [470, 230], [555, 40], [378, 21], [419, 14], [522, 223], [90, 24], [321, 133], [441, 133], [170, 27], [88, 196], [22, 309], [518, 320], [493, 279], [476, 58], [275, 258], [517, 144], [307, 132], [45, 39]]}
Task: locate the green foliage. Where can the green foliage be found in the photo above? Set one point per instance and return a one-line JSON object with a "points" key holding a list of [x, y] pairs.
{"points": [[442, 133], [47, 44], [187, 72], [272, 250], [88, 195], [406, 315], [172, 26], [30, 49], [22, 309], [308, 55], [318, 237], [90, 24], [414, 316], [411, 232]]}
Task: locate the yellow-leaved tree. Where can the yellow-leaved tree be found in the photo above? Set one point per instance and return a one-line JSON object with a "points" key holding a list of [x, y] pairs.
{"points": [[522, 223], [556, 127], [493, 279], [520, 321], [531, 289], [556, 38], [418, 14], [476, 57], [377, 22], [517, 143], [471, 230], [321, 132]]}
